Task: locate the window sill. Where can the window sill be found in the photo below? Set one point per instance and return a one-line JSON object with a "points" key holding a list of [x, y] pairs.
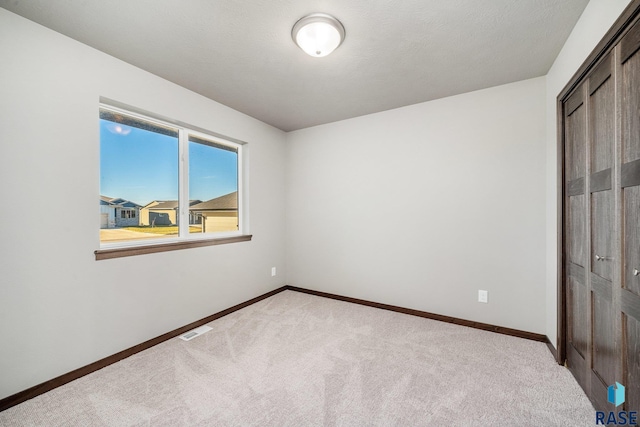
{"points": [[165, 247]]}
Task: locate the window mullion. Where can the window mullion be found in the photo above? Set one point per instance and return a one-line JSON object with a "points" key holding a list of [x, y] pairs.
{"points": [[241, 210], [183, 183]]}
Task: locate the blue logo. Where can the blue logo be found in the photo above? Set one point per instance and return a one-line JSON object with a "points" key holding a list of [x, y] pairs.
{"points": [[616, 394]]}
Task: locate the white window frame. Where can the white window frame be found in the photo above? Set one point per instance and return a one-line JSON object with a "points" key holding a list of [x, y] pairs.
{"points": [[201, 239]]}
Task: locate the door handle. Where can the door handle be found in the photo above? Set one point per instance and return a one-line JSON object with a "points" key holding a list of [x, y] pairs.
{"points": [[600, 258], [636, 272]]}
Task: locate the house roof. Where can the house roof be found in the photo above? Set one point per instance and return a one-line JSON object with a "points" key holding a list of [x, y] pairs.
{"points": [[118, 202], [169, 204], [128, 204], [222, 203]]}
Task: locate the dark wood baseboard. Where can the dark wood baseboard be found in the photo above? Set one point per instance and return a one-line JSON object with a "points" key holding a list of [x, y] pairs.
{"points": [[427, 315], [553, 351], [46, 386]]}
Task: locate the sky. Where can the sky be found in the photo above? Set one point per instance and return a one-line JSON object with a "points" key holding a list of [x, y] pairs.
{"points": [[141, 166]]}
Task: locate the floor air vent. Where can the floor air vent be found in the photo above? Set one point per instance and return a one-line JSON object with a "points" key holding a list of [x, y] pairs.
{"points": [[187, 336]]}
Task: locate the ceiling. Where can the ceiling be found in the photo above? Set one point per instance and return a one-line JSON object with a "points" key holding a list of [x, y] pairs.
{"points": [[396, 53]]}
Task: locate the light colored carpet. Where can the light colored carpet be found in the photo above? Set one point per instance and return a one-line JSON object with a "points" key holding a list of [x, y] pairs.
{"points": [[300, 360]]}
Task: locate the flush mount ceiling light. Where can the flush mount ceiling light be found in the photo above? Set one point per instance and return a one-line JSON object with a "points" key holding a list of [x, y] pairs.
{"points": [[318, 34]]}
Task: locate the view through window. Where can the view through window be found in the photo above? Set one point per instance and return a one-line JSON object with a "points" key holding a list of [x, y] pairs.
{"points": [[144, 164]]}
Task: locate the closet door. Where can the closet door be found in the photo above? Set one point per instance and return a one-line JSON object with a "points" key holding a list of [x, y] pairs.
{"points": [[601, 135], [575, 228], [600, 337], [629, 70]]}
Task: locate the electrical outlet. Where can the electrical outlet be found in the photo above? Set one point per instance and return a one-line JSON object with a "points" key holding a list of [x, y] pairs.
{"points": [[273, 271], [483, 296]]}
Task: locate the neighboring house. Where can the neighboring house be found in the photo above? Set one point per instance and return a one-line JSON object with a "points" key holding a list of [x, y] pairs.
{"points": [[219, 214], [118, 212], [163, 212]]}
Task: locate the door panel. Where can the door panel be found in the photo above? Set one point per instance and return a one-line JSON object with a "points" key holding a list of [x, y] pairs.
{"points": [[631, 214], [601, 234], [602, 107], [575, 137], [577, 305], [603, 352], [576, 228], [631, 95], [631, 343]]}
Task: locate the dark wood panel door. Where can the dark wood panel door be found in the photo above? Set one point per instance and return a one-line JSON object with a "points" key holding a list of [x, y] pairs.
{"points": [[601, 225], [629, 69], [630, 299], [576, 237], [601, 125], [600, 293]]}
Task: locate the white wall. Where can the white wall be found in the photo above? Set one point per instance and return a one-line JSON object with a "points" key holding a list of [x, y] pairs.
{"points": [[597, 18], [59, 308], [422, 206]]}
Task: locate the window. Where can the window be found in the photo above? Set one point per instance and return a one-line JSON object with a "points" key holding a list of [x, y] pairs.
{"points": [[170, 183], [127, 213]]}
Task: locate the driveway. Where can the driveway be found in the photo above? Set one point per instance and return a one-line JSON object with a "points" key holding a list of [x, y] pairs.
{"points": [[121, 235]]}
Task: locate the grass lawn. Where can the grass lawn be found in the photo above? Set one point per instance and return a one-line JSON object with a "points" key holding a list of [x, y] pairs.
{"points": [[162, 229]]}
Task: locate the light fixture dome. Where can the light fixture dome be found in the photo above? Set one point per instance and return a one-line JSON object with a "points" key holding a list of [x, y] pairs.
{"points": [[318, 34]]}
